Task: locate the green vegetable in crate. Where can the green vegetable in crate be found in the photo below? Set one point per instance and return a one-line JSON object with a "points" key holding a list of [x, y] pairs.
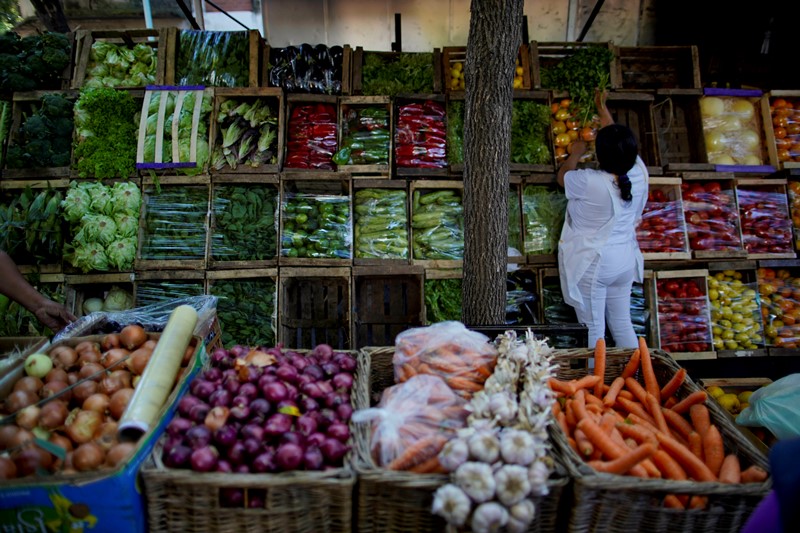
{"points": [[365, 137], [213, 58], [247, 134], [530, 141], [316, 226], [381, 229], [153, 292], [455, 132], [45, 137], [543, 209], [175, 224], [5, 125], [117, 65], [404, 73], [580, 74], [244, 223], [246, 311], [16, 321], [442, 300], [33, 62], [438, 222], [30, 226]]}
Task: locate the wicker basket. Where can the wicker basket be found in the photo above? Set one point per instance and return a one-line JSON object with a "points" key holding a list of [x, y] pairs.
{"points": [[390, 501], [611, 503]]}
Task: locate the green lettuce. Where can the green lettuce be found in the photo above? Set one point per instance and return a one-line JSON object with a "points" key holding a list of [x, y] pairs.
{"points": [[121, 253]]}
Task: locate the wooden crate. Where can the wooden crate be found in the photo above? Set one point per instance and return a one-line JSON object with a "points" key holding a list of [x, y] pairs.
{"points": [[386, 301], [360, 210], [269, 62], [728, 283], [658, 67], [151, 287], [349, 109], [540, 242], [676, 320], [635, 111], [256, 45], [81, 287], [546, 55], [418, 190], [702, 204], [22, 106], [218, 259], [271, 97], [784, 152], [433, 165], [766, 221], [189, 214], [295, 159], [663, 222], [541, 98], [458, 54], [315, 307], [248, 304], [778, 282], [679, 130], [84, 39], [438, 275], [357, 78]]}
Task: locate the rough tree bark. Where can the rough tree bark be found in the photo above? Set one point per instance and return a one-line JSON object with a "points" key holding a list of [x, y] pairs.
{"points": [[51, 15], [495, 29]]}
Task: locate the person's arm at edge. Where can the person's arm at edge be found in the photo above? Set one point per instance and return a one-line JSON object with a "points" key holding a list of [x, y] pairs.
{"points": [[571, 163], [602, 109]]}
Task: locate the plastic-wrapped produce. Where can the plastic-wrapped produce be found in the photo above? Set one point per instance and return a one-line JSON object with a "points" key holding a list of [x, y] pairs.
{"points": [[640, 316], [316, 226], [120, 65], [731, 128], [683, 315], [381, 229], [712, 220], [766, 226], [246, 310], [663, 228], [365, 137], [779, 291], [515, 242], [544, 209], [245, 227], [438, 221], [420, 137], [214, 58], [174, 223], [307, 69], [735, 312], [312, 137], [152, 292], [522, 297]]}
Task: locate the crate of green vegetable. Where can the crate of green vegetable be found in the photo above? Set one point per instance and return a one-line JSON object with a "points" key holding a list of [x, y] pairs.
{"points": [[157, 286], [40, 136], [380, 229], [544, 206], [386, 301], [32, 230], [365, 135], [437, 223], [243, 226], [554, 63], [16, 321], [174, 223], [41, 61], [393, 73], [119, 58], [93, 293], [316, 222], [315, 307], [442, 294], [247, 306], [516, 246], [247, 130]]}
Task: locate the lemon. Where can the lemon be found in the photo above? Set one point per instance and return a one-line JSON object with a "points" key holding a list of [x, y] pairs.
{"points": [[715, 391], [744, 396], [729, 402]]}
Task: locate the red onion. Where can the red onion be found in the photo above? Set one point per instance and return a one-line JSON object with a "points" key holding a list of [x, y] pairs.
{"points": [[328, 417], [178, 427], [325, 386], [291, 392], [240, 412], [224, 466], [274, 392], [225, 436], [316, 439], [236, 454], [252, 431], [342, 381], [346, 362], [294, 437], [221, 359], [213, 375], [306, 424], [199, 412], [313, 390], [260, 408], [242, 469], [186, 403], [339, 431], [252, 447], [333, 450], [265, 380], [330, 368], [308, 404], [230, 373], [335, 399], [204, 459], [173, 442], [216, 418], [278, 424], [287, 406], [298, 361], [238, 351], [255, 501], [287, 373], [231, 384], [315, 371], [231, 497], [322, 351], [303, 380], [313, 459], [177, 457], [198, 436], [248, 390], [344, 411], [220, 398], [202, 388], [264, 462], [289, 456], [250, 374]]}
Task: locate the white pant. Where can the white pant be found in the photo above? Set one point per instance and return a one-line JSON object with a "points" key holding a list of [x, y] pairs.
{"points": [[606, 291]]}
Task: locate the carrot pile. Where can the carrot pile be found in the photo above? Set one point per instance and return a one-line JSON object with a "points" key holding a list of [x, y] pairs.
{"points": [[627, 428]]}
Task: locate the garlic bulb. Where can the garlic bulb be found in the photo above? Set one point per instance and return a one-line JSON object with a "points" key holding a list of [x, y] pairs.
{"points": [[489, 518], [454, 454], [452, 504], [484, 447], [517, 447], [476, 480], [521, 515], [503, 407], [512, 484], [538, 473]]}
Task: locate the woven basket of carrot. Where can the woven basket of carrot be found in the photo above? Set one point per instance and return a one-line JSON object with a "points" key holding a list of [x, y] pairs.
{"points": [[397, 454], [647, 448]]}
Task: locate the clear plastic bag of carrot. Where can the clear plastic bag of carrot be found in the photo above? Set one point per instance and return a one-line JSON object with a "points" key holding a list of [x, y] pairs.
{"points": [[632, 420]]}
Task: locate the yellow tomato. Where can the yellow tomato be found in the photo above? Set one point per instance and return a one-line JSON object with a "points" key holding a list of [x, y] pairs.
{"points": [[562, 114], [558, 127], [562, 139]]}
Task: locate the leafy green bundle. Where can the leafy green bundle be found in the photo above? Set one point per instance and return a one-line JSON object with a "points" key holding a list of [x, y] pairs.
{"points": [[33, 62], [244, 223], [246, 311], [403, 73], [117, 65], [213, 58], [45, 137], [580, 74], [442, 300], [248, 134], [530, 125]]}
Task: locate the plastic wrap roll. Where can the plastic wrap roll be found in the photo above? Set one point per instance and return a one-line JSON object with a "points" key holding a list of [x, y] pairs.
{"points": [[158, 378]]}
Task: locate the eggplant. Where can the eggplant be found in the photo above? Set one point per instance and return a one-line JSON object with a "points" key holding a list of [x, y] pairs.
{"points": [[336, 53], [307, 52]]}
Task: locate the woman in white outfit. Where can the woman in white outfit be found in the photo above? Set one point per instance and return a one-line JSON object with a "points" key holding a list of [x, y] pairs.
{"points": [[598, 254]]}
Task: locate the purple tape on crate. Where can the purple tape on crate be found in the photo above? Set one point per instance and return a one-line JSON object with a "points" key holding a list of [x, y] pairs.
{"points": [[713, 91], [759, 169], [175, 87], [166, 165]]}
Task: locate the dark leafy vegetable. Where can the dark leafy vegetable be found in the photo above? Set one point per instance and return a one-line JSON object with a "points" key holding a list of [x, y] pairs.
{"points": [[244, 223], [45, 137], [246, 311], [530, 142], [580, 74], [392, 74], [30, 227], [307, 69], [174, 224], [214, 58], [438, 221], [455, 132], [543, 209], [5, 125], [365, 137], [248, 133], [442, 300], [420, 137], [316, 226], [33, 62], [381, 229]]}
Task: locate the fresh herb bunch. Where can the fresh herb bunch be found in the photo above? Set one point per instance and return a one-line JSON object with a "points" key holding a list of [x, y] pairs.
{"points": [[106, 124], [246, 311], [45, 138], [442, 300], [244, 223], [214, 58], [580, 74], [530, 124], [408, 73], [33, 62], [455, 132]]}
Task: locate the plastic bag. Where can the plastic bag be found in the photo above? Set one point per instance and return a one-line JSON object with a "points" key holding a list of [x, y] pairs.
{"points": [[438, 220], [543, 209], [311, 138], [245, 225], [216, 58], [174, 226], [766, 226], [316, 226], [420, 136], [775, 407], [731, 128], [413, 421], [381, 229], [463, 358]]}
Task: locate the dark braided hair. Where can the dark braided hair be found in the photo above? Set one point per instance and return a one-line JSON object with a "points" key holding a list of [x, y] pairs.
{"points": [[617, 149]]}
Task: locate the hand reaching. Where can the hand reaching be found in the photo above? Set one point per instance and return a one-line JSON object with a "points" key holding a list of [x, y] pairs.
{"points": [[54, 315]]}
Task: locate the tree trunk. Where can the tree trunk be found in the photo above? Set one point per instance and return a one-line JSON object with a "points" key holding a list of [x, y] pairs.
{"points": [[494, 38], [51, 15]]}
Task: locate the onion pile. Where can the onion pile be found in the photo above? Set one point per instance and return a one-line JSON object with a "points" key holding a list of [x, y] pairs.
{"points": [[264, 410], [83, 420]]}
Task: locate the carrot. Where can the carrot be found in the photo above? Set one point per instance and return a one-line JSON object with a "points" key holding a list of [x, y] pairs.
{"points": [[625, 394], [731, 470], [463, 384], [556, 408], [612, 446], [586, 382], [669, 467], [696, 397], [561, 418], [418, 452], [636, 419], [635, 408], [698, 502], [626, 462], [672, 502], [607, 423], [405, 372], [613, 391], [579, 405], [573, 445], [632, 366], [696, 444], [678, 423], [570, 414], [694, 467], [430, 466], [637, 432], [599, 365], [655, 411], [636, 389], [754, 474], [673, 384], [558, 385], [592, 399], [649, 375], [594, 408], [713, 449], [585, 448], [701, 418], [671, 401]]}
